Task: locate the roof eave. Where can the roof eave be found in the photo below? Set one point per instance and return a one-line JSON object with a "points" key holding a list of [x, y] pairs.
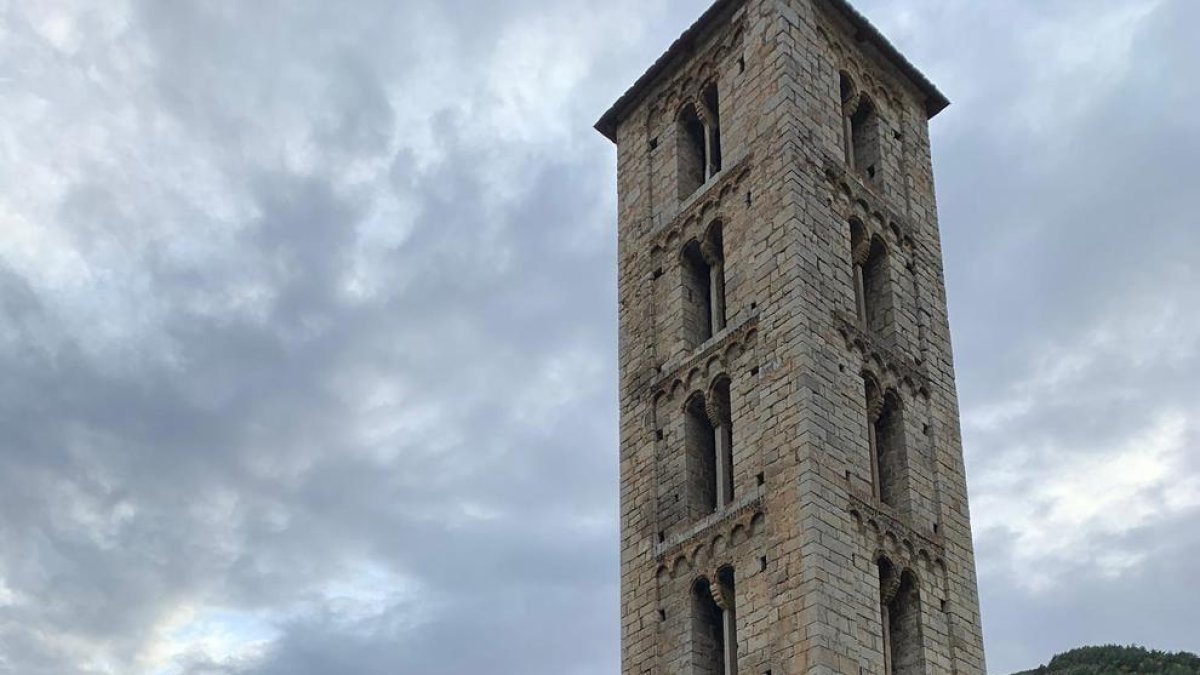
{"points": [[935, 101]]}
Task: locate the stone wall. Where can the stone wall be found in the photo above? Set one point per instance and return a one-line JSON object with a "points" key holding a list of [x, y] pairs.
{"points": [[800, 543]]}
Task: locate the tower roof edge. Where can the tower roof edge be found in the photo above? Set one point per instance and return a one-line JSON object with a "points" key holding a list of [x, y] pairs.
{"points": [[935, 101]]}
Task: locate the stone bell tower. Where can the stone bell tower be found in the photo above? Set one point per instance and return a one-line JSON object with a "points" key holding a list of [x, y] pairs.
{"points": [[792, 488]]}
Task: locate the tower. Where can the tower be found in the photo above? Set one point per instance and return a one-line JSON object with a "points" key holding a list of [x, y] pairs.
{"points": [[792, 489]]}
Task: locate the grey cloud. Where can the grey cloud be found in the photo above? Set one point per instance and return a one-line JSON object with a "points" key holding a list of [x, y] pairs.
{"points": [[306, 352]]}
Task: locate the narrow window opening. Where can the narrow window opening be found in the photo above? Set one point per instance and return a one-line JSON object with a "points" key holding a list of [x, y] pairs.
{"points": [[701, 459], [885, 432], [699, 147], [714, 253], [876, 287], [889, 439], [709, 637], [864, 138], [690, 155], [848, 95], [720, 416], [697, 286], [900, 609], [872, 281], [859, 252], [712, 107]]}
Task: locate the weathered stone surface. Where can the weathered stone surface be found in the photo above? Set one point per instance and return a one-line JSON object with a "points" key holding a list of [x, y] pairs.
{"points": [[792, 556]]}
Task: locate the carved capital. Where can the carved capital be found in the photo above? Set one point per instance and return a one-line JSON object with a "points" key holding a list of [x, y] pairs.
{"points": [[850, 105], [874, 403], [716, 407], [717, 410], [718, 592], [861, 252]]}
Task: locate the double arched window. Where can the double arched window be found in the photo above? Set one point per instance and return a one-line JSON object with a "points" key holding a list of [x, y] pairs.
{"points": [[708, 434], [885, 429], [714, 625], [860, 129], [900, 609], [698, 151], [704, 287], [872, 279]]}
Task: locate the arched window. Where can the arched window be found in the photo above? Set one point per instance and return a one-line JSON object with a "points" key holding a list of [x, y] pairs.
{"points": [[864, 134], [889, 455], [690, 154], [860, 129], [704, 287], [708, 434], [719, 414], [697, 296], [900, 610], [714, 625], [712, 109], [849, 96], [872, 279], [700, 439], [698, 151], [885, 435]]}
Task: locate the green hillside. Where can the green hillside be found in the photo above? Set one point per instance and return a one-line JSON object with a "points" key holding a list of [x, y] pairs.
{"points": [[1114, 660]]}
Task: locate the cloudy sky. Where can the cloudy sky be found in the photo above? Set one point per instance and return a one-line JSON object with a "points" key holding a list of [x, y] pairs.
{"points": [[307, 328]]}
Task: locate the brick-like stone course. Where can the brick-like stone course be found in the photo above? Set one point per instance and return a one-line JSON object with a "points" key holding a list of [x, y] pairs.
{"points": [[804, 532]]}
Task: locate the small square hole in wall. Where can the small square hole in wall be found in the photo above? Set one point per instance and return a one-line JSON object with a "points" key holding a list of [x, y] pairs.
{"points": [[658, 434], [925, 429], [749, 199], [654, 143], [944, 605], [754, 305], [897, 134], [762, 564], [760, 478], [935, 528], [662, 536], [847, 474], [766, 672], [871, 171], [841, 367], [658, 273], [662, 615], [741, 64], [676, 497], [754, 371]]}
